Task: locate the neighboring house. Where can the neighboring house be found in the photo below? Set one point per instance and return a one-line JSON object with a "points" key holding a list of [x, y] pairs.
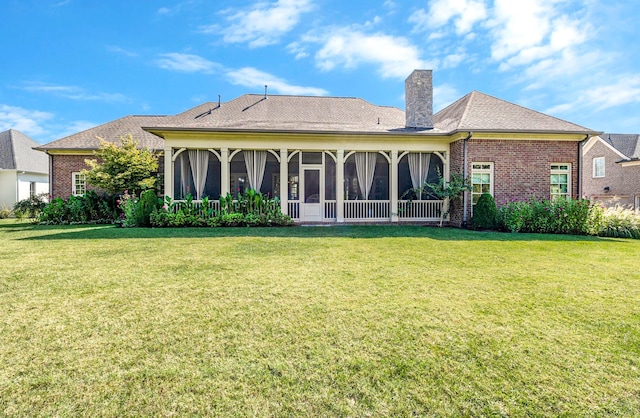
{"points": [[24, 171], [611, 170], [339, 159]]}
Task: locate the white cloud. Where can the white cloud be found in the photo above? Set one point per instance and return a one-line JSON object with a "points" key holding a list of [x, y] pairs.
{"points": [[73, 92], [443, 96], [75, 127], [531, 30], [463, 13], [251, 77], [350, 48], [187, 63], [118, 50], [262, 24], [26, 121], [624, 90]]}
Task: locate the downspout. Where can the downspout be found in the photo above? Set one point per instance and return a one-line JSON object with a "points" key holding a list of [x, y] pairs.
{"points": [[580, 162], [464, 176]]}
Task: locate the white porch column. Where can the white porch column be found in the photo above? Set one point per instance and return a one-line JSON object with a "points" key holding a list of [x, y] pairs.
{"points": [[224, 171], [393, 187], [284, 181], [168, 172], [340, 186]]}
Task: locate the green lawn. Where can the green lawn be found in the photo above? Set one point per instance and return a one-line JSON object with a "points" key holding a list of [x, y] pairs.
{"points": [[341, 321]]}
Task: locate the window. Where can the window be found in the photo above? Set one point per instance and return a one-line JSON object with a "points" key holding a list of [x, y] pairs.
{"points": [[598, 167], [481, 180], [78, 184], [560, 181]]}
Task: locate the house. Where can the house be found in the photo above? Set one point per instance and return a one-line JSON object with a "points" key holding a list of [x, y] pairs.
{"points": [[342, 159], [24, 171], [611, 170]]}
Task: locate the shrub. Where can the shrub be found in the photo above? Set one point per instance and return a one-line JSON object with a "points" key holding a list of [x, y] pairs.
{"points": [[560, 216], [485, 213], [128, 203], [619, 222], [147, 204], [31, 207], [5, 212]]}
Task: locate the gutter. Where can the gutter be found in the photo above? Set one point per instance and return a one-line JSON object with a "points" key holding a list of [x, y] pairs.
{"points": [[581, 161], [465, 195]]}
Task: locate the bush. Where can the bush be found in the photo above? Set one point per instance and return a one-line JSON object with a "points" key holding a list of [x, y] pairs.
{"points": [[147, 204], [619, 222], [559, 216], [5, 212], [485, 213], [31, 207], [249, 209], [89, 208]]}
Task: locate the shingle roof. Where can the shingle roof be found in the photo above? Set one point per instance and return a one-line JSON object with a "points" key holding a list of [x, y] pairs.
{"points": [[474, 112], [17, 153], [298, 113], [111, 131], [480, 112], [627, 144]]}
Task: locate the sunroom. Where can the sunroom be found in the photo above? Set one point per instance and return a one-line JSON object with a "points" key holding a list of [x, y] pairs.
{"points": [[312, 185]]}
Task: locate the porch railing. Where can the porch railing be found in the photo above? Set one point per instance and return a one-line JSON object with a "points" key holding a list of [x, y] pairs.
{"points": [[366, 210], [330, 209], [294, 209], [196, 205], [419, 210]]}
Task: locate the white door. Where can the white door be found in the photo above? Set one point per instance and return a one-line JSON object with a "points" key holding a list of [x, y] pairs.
{"points": [[311, 206]]}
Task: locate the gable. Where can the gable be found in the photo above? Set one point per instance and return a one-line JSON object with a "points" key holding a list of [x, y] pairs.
{"points": [[17, 153]]}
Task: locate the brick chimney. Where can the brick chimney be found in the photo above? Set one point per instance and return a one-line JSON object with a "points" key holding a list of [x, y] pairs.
{"points": [[419, 100]]}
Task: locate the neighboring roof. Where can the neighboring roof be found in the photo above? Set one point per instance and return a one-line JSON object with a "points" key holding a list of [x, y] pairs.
{"points": [[111, 131], [627, 144], [480, 112], [290, 113], [17, 153]]}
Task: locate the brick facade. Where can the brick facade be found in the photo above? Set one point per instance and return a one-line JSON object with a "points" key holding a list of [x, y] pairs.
{"points": [[623, 182], [61, 168], [63, 165], [521, 167]]}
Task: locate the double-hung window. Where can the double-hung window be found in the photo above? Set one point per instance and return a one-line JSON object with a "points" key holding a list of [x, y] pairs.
{"points": [[481, 180], [560, 180], [598, 167], [78, 183]]}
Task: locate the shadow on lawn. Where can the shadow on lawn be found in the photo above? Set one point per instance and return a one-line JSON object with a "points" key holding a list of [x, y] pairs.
{"points": [[76, 232]]}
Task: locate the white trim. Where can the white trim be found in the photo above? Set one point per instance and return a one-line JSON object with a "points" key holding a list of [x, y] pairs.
{"points": [[595, 167], [77, 177], [482, 170], [590, 144], [561, 171]]}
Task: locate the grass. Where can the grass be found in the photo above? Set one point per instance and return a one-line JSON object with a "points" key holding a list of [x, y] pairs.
{"points": [[343, 321]]}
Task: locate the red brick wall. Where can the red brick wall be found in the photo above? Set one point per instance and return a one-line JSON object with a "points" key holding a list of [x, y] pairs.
{"points": [[64, 165], [521, 168]]}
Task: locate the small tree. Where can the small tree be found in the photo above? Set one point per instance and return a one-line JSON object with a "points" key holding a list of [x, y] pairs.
{"points": [[446, 191], [123, 167], [485, 213]]}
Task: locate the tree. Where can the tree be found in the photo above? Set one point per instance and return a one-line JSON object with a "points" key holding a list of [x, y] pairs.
{"points": [[122, 167], [446, 191]]}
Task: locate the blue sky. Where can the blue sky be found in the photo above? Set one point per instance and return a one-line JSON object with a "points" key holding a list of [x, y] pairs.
{"points": [[68, 65]]}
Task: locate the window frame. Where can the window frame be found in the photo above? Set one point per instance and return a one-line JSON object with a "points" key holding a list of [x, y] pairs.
{"points": [[77, 178], [598, 164], [556, 169], [481, 170]]}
